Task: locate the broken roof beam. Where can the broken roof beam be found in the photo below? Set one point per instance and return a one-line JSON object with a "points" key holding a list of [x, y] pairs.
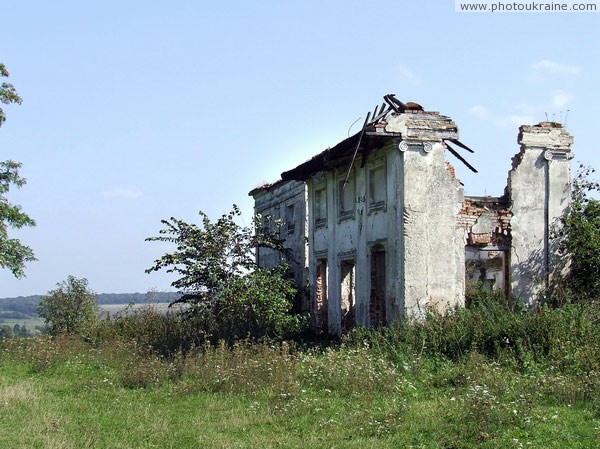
{"points": [[382, 113], [460, 158], [460, 144], [394, 103], [362, 133]]}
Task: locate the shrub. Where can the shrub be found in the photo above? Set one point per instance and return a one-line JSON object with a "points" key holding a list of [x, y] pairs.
{"points": [[579, 234], [69, 309], [229, 297], [565, 338], [158, 333], [255, 305]]}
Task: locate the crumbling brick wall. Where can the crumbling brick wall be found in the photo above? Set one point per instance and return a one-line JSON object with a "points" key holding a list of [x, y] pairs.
{"points": [[486, 223]]}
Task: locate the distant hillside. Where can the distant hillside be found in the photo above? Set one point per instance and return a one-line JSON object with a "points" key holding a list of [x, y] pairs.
{"points": [[28, 304], [137, 298]]}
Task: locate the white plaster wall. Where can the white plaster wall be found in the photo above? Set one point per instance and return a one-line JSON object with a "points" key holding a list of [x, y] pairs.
{"points": [[352, 238], [559, 198], [273, 201], [539, 188], [396, 232], [528, 225], [417, 227], [433, 246]]}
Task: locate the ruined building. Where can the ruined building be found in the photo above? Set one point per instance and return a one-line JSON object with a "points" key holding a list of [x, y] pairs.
{"points": [[378, 225]]}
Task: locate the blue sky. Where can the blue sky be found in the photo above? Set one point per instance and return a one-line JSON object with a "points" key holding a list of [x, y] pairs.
{"points": [[138, 111]]}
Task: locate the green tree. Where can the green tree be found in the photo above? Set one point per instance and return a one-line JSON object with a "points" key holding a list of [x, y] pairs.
{"points": [[8, 93], [6, 331], [229, 296], [582, 243], [69, 309], [13, 254]]}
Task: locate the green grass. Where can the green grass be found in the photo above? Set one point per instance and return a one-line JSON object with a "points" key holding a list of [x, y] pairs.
{"points": [[64, 393]]}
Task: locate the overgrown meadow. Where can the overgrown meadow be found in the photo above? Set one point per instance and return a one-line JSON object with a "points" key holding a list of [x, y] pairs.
{"points": [[481, 377]]}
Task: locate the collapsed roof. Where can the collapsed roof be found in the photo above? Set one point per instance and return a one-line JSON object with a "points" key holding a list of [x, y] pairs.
{"points": [[375, 134]]}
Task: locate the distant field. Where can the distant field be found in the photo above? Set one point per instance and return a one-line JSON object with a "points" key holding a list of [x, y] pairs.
{"points": [[30, 323], [106, 310]]}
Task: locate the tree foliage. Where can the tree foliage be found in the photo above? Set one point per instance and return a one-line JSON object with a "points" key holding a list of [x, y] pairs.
{"points": [[257, 304], [13, 254], [71, 308], [582, 229], [228, 295], [8, 93], [206, 256]]}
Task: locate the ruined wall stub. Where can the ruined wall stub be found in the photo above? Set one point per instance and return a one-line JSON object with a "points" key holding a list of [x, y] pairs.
{"points": [[429, 245], [386, 231], [539, 190], [282, 208]]}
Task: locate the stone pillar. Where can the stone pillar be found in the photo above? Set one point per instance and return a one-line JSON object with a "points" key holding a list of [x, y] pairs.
{"points": [[430, 247], [539, 187]]}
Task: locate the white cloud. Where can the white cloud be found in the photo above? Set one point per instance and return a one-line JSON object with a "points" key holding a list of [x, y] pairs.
{"points": [[408, 75], [519, 119], [547, 67], [561, 99], [523, 114], [512, 120], [524, 108], [556, 67], [479, 111], [119, 192]]}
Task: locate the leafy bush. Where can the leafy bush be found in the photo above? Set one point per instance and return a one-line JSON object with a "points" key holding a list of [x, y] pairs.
{"points": [[70, 308], [256, 305], [158, 333], [229, 297], [579, 231], [6, 331]]}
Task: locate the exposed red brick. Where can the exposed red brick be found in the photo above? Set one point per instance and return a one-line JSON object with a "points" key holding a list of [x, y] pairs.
{"points": [[451, 169], [496, 209], [377, 314], [321, 314]]}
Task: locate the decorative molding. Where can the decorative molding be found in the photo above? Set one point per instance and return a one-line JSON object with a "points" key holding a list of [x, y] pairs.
{"points": [[557, 155], [412, 145], [347, 255], [322, 254]]}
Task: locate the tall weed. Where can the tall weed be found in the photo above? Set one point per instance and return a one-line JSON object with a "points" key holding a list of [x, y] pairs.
{"points": [[566, 338]]}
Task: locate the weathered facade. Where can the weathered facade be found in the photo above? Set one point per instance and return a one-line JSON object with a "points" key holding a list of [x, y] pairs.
{"points": [[282, 207], [379, 227]]}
